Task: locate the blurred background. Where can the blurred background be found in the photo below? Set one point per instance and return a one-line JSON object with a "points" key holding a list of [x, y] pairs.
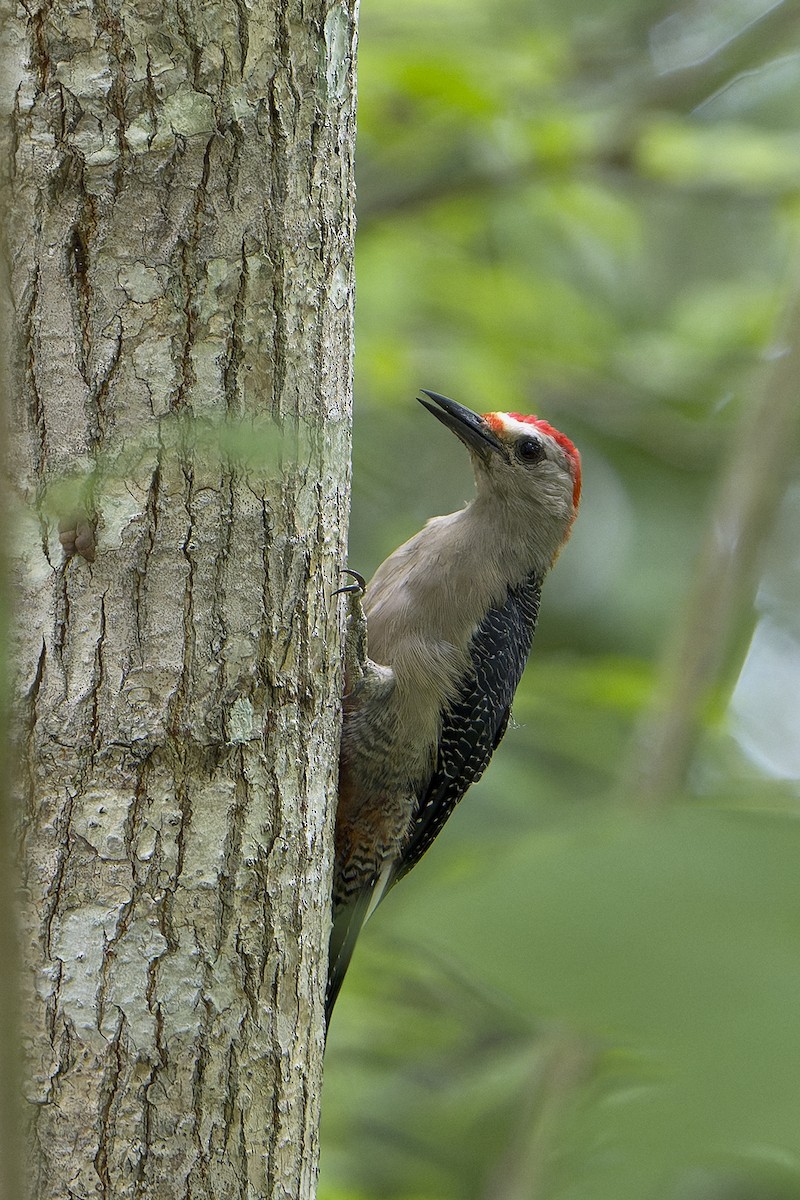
{"points": [[590, 987]]}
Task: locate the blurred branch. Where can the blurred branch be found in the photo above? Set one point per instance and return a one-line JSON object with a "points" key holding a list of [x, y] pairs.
{"points": [[768, 34], [474, 178], [635, 94], [523, 1171], [747, 500], [687, 85], [613, 409]]}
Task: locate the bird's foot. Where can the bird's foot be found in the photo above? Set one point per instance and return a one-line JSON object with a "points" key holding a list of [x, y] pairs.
{"points": [[355, 637], [363, 678]]}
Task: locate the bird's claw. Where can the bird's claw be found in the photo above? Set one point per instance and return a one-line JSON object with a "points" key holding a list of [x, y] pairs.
{"points": [[357, 587], [355, 635]]}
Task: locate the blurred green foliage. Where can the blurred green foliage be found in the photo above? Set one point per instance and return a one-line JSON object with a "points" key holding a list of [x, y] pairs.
{"points": [[587, 211]]}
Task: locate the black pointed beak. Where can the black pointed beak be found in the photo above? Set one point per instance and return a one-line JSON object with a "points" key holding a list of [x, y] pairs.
{"points": [[473, 430]]}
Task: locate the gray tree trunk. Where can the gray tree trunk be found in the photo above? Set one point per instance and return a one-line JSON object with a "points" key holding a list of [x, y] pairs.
{"points": [[181, 278]]}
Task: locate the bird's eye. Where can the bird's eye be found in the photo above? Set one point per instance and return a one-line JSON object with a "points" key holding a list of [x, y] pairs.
{"points": [[530, 450]]}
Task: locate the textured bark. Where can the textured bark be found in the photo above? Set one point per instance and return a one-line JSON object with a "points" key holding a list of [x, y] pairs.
{"points": [[181, 273]]}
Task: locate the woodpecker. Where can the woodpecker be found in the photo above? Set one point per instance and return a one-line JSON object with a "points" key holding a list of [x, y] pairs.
{"points": [[448, 620]]}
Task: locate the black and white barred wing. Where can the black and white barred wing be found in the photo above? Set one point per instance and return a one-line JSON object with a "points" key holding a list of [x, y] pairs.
{"points": [[476, 721]]}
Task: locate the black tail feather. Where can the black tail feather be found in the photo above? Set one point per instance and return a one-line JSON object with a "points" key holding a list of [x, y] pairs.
{"points": [[347, 925]]}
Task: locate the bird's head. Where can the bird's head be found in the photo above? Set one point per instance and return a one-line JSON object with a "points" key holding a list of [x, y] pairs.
{"points": [[520, 462]]}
